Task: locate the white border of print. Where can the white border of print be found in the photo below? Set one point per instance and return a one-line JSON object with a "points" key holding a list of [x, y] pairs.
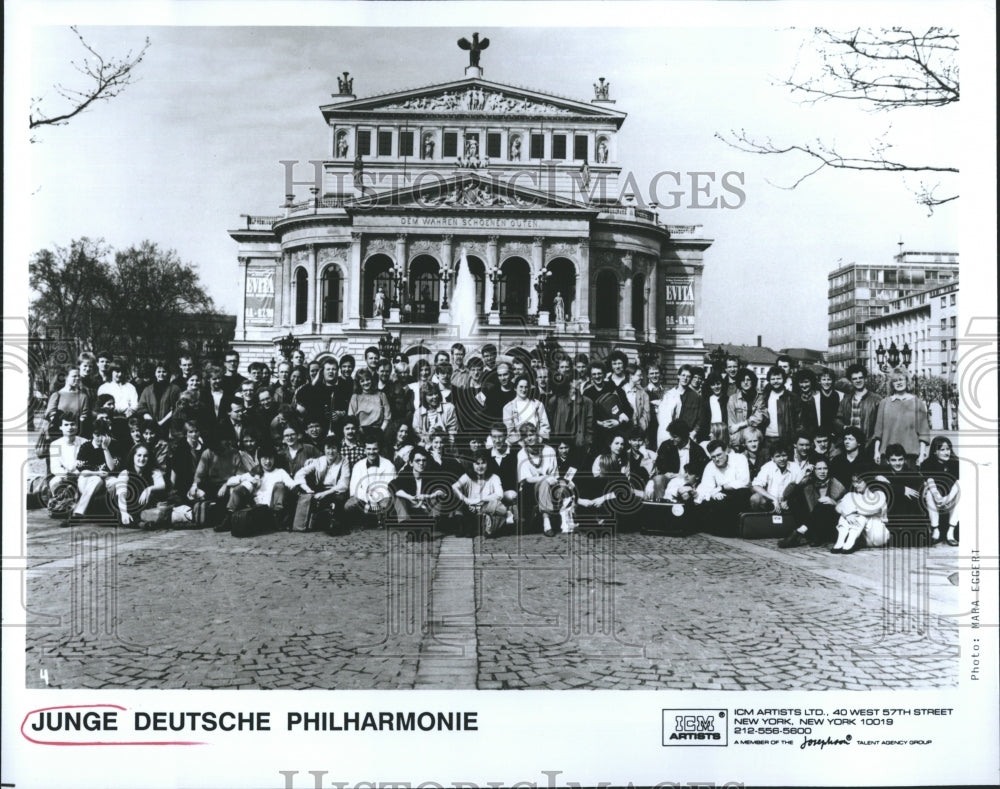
{"points": [[548, 738]]}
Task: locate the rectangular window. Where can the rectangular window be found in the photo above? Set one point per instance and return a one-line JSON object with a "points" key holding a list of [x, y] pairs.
{"points": [[952, 322], [580, 147], [537, 146], [406, 143], [493, 145], [944, 345], [385, 143], [450, 144], [558, 146], [944, 324], [942, 301], [364, 146], [954, 343], [952, 300]]}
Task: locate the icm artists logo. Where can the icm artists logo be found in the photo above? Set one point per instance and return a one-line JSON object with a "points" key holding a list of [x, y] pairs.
{"points": [[695, 727]]}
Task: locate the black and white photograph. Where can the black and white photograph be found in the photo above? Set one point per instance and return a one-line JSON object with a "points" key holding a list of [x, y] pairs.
{"points": [[641, 354]]}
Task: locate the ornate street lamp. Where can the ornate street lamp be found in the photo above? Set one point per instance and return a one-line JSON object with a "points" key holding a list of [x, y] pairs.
{"points": [[907, 354], [649, 354], [543, 275], [893, 355], [717, 359], [880, 355], [444, 279], [287, 345], [397, 281], [495, 275], [388, 345]]}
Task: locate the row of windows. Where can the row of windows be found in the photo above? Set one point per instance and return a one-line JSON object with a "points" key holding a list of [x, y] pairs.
{"points": [[945, 300], [948, 323], [471, 145]]}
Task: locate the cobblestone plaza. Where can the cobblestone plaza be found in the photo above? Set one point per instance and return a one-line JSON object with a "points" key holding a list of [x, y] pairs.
{"points": [[115, 608]]}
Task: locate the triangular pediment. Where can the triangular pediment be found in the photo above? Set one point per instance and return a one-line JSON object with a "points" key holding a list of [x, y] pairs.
{"points": [[469, 191], [471, 97]]}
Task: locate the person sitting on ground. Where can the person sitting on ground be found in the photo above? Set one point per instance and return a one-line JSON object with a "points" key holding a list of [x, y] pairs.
{"points": [[294, 453], [536, 466], [682, 487], [371, 495], [504, 464], [724, 490], [267, 486], [402, 447], [97, 465], [63, 454], [324, 483], [772, 482], [906, 517], [418, 492], [941, 498], [812, 507], [140, 485], [609, 490], [862, 518], [481, 495], [673, 455]]}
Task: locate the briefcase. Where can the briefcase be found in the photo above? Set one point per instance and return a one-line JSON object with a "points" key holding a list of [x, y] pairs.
{"points": [[663, 517], [252, 520], [762, 525]]}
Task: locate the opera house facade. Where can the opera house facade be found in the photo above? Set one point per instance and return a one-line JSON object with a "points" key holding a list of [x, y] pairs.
{"points": [[469, 211]]}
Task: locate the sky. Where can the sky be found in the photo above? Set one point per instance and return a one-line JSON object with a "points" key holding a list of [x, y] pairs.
{"points": [[196, 141]]}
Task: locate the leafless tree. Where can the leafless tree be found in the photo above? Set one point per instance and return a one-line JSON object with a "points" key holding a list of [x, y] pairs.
{"points": [[106, 78], [882, 70]]}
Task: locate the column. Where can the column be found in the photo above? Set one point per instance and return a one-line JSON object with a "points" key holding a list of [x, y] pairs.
{"points": [[311, 300], [241, 313], [581, 306], [445, 295], [625, 315], [492, 263], [537, 262], [279, 284], [401, 284], [354, 283], [286, 291], [317, 290], [651, 302]]}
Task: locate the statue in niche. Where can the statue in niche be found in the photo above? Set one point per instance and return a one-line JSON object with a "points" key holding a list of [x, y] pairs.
{"points": [[379, 303], [342, 146], [428, 146], [472, 148], [515, 148], [559, 308], [602, 151]]}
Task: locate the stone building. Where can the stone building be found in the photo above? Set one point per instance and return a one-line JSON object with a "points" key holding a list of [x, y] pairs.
{"points": [[469, 211]]}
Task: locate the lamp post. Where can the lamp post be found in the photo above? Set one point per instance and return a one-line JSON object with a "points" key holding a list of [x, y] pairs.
{"points": [[397, 279], [287, 345], [649, 355], [540, 280], [388, 345], [893, 355], [880, 355], [907, 354]]}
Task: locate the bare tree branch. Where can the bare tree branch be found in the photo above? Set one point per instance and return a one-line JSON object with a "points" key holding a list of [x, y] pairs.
{"points": [[884, 70], [106, 78]]}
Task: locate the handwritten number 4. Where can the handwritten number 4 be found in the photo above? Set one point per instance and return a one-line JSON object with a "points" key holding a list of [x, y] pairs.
{"points": [[44, 674]]}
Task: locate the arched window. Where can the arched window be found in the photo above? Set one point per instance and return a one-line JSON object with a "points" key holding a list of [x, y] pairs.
{"points": [[425, 290], [378, 274], [301, 296], [561, 280], [639, 303], [606, 300], [515, 284], [333, 295]]}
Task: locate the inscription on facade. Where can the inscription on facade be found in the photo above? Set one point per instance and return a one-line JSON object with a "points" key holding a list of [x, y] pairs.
{"points": [[466, 221]]}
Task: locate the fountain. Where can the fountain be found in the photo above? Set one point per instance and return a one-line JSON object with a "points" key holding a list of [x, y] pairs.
{"points": [[463, 299]]}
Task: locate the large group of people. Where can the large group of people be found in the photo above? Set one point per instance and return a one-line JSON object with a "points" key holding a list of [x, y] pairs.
{"points": [[484, 444]]}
